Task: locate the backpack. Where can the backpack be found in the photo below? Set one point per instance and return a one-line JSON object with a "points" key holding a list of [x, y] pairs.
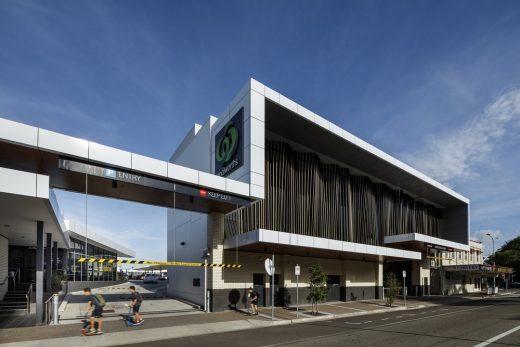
{"points": [[138, 298], [100, 301]]}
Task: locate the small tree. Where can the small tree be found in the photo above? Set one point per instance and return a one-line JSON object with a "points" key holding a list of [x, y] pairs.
{"points": [[317, 286], [393, 286]]}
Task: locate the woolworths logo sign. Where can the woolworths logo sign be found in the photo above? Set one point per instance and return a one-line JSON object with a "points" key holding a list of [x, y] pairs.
{"points": [[229, 146]]}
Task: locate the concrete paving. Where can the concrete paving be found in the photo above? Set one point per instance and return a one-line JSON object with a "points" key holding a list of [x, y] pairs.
{"points": [[155, 304], [491, 321], [227, 328]]}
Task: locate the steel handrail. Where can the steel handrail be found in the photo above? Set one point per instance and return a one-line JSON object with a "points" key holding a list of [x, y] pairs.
{"points": [[48, 311], [28, 299]]}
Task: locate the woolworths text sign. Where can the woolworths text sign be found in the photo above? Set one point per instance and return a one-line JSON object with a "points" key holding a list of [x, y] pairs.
{"points": [[229, 152]]}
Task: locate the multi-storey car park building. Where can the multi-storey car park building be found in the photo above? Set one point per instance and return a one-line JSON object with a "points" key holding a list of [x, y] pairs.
{"points": [[266, 177], [322, 196]]}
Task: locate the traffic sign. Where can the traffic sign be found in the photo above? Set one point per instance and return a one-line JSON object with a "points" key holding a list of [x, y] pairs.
{"points": [[404, 273], [297, 270], [269, 266]]}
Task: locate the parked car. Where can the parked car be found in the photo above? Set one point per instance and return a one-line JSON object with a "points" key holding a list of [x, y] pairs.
{"points": [[151, 278]]}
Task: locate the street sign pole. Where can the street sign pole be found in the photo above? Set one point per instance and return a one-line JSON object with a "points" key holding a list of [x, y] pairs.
{"points": [[272, 289], [404, 287], [205, 284], [297, 273]]}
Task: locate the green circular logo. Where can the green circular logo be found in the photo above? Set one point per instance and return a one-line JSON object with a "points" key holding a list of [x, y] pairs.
{"points": [[228, 144]]}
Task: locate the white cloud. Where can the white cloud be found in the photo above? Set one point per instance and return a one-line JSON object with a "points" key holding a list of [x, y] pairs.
{"points": [[455, 155]]}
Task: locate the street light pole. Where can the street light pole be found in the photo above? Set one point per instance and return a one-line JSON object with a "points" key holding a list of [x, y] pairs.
{"points": [[494, 276]]}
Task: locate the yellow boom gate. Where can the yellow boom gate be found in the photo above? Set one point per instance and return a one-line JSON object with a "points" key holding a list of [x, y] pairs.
{"points": [[156, 262]]}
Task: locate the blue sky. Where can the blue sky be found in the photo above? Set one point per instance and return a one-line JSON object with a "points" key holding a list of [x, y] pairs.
{"points": [[434, 83]]}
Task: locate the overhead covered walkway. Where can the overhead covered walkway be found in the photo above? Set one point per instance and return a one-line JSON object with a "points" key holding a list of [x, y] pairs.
{"points": [[81, 166]]}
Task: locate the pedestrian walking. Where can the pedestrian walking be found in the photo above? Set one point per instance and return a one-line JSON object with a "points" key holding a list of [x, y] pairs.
{"points": [[94, 308], [135, 302], [254, 300]]}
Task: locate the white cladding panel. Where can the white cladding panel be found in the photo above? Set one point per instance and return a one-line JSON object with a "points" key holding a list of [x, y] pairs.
{"points": [[110, 155], [18, 132], [60, 143], [18, 182], [196, 154], [191, 229], [150, 165], [42, 186]]}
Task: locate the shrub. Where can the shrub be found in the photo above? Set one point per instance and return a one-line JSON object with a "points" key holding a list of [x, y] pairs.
{"points": [[318, 287], [393, 286]]}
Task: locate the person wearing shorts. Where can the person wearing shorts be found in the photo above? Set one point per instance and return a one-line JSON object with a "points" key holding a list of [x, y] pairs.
{"points": [[135, 303], [96, 311], [254, 301]]}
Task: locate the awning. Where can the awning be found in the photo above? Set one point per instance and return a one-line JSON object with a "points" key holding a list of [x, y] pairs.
{"points": [[267, 241]]}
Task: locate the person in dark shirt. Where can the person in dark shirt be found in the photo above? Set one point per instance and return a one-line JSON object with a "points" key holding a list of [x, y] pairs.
{"points": [[135, 303], [96, 311], [254, 300]]}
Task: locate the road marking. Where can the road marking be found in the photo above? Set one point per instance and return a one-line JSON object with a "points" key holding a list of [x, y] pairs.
{"points": [[498, 337], [347, 308], [384, 318], [287, 343], [368, 321]]}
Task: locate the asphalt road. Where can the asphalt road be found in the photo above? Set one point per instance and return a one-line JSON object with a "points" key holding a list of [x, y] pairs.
{"points": [[468, 324]]}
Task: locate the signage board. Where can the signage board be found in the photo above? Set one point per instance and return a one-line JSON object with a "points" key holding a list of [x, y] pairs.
{"points": [[229, 146], [297, 270], [438, 247], [404, 273], [128, 177]]}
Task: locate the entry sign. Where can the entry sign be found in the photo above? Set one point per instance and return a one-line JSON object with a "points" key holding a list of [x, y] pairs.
{"points": [[297, 270], [404, 273]]}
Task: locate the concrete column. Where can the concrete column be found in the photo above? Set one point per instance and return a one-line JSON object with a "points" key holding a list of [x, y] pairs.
{"points": [[48, 261], [55, 255], [39, 272], [215, 238], [380, 279]]}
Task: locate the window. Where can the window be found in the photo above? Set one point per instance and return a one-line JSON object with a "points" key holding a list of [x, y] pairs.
{"points": [[196, 282]]}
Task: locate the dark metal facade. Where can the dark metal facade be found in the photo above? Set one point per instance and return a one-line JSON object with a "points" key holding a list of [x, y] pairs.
{"points": [[305, 196]]}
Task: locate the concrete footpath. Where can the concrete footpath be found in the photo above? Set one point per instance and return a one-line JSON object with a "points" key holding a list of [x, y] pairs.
{"points": [[154, 329]]}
